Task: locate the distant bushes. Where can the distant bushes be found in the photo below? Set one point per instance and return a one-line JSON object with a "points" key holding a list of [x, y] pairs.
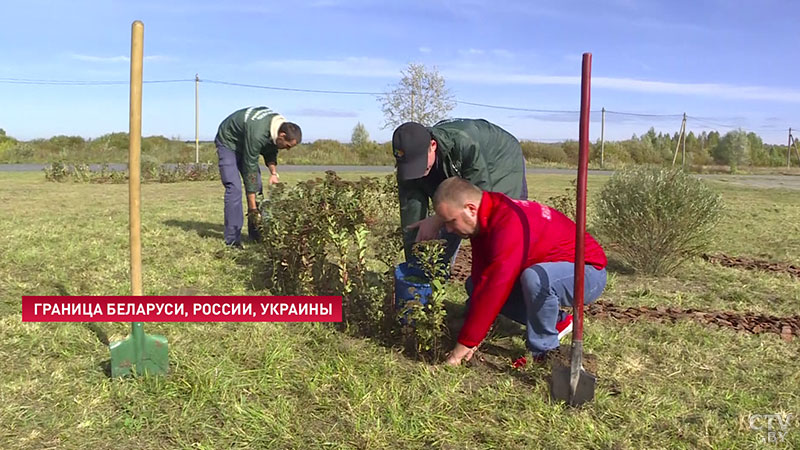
{"points": [[331, 152], [110, 148], [150, 173]]}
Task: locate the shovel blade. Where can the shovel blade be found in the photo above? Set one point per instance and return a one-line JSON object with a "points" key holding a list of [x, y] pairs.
{"points": [[149, 355], [560, 385]]}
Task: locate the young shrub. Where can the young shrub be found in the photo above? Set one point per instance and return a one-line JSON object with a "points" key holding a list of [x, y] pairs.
{"points": [[425, 319], [322, 237], [566, 202], [655, 219], [56, 171]]}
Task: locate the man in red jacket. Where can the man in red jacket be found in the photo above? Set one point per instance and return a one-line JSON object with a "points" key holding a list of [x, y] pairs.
{"points": [[523, 263]]}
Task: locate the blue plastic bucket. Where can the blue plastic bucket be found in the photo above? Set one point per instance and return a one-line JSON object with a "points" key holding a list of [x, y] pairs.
{"points": [[406, 291]]}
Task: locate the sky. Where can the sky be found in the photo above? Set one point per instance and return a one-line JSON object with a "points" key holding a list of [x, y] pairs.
{"points": [[727, 64]]}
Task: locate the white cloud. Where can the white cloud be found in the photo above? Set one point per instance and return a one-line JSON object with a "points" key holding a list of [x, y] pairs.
{"points": [[382, 68], [503, 53], [424, 49], [471, 52], [350, 66], [313, 112], [161, 58], [117, 59], [101, 59], [325, 3], [727, 91]]}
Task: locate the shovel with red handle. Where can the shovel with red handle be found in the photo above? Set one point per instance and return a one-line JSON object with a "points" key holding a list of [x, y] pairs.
{"points": [[573, 384]]}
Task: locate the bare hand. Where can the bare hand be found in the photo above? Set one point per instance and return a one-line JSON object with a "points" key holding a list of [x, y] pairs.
{"points": [[460, 352], [428, 228], [273, 179]]}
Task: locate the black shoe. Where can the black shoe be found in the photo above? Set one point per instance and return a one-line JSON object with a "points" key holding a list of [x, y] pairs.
{"points": [[235, 245]]}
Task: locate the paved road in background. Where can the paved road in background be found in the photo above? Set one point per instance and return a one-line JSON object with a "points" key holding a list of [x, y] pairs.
{"points": [[764, 181]]}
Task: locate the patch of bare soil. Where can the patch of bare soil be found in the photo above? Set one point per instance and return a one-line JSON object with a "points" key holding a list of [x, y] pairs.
{"points": [[462, 266]]}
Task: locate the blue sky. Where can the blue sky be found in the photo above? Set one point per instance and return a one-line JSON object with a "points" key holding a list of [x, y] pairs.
{"points": [[726, 64]]}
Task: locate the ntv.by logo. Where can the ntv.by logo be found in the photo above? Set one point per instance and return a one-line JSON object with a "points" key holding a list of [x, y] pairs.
{"points": [[773, 427]]}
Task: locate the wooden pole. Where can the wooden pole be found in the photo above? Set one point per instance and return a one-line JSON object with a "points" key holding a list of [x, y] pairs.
{"points": [[602, 136], [683, 146], [678, 145], [789, 150], [196, 120], [134, 156]]}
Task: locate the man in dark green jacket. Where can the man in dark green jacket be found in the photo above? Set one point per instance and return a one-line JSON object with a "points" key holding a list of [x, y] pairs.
{"points": [[474, 149], [241, 138]]}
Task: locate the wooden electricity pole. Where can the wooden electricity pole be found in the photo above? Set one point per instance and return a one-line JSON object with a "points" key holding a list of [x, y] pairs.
{"points": [[196, 120], [683, 145], [602, 136], [680, 136]]}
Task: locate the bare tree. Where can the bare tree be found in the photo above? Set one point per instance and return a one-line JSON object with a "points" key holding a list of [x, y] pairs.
{"points": [[421, 96]]}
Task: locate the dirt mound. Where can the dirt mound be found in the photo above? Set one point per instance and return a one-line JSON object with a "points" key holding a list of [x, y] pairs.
{"points": [[462, 266], [786, 327], [753, 264]]}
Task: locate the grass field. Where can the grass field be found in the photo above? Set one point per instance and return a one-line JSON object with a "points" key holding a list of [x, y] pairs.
{"points": [[270, 385]]}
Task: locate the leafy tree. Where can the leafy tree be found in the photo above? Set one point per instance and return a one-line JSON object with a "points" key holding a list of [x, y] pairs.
{"points": [[360, 136], [758, 154], [733, 149], [712, 142]]}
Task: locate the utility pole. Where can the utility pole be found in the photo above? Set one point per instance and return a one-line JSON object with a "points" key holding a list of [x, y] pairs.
{"points": [[683, 157], [789, 150], [602, 136], [683, 130], [794, 144], [196, 120]]}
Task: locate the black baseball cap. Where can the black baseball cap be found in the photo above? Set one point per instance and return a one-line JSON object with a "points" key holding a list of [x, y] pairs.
{"points": [[410, 144]]}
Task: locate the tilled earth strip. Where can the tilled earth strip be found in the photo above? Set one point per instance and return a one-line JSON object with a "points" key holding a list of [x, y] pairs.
{"points": [[753, 264], [786, 327]]}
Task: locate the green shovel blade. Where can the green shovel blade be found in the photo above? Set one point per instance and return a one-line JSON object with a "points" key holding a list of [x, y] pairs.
{"points": [[141, 353]]}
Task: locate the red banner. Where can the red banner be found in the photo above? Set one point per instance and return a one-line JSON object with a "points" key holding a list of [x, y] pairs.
{"points": [[181, 309]]}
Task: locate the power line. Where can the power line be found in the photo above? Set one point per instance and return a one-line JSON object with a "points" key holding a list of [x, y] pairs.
{"points": [[276, 88], [514, 108], [707, 122], [79, 82], [643, 115]]}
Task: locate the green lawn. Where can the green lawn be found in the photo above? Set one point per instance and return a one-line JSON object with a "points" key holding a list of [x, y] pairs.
{"points": [[272, 385]]}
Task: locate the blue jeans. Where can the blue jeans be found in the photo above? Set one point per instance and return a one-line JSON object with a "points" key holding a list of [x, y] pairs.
{"points": [[537, 295], [231, 166]]}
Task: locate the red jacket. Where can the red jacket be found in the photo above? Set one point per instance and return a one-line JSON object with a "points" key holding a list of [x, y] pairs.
{"points": [[512, 236]]}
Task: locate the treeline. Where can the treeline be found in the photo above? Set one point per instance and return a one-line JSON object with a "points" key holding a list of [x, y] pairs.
{"points": [[109, 148], [736, 149]]}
